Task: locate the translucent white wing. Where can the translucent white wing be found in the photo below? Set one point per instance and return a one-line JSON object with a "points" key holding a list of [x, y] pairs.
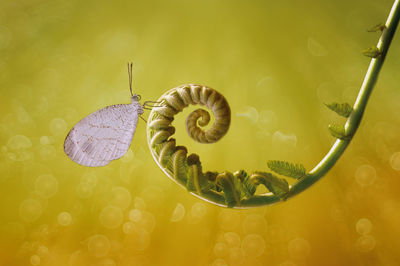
{"points": [[104, 135]]}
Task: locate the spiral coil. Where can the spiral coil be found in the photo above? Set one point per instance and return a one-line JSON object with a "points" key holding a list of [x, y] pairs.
{"points": [[223, 189]]}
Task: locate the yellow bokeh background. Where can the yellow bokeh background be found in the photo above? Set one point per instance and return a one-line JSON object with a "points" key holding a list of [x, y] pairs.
{"points": [[276, 62]]}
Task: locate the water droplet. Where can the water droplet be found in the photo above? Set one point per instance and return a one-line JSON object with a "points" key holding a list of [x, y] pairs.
{"points": [[178, 213], [253, 245], [19, 142], [363, 226], [35, 260], [64, 218], [366, 243], [121, 197], [232, 239], [111, 217], [395, 161], [128, 228], [254, 223], [299, 248], [58, 126], [219, 262], [365, 175], [250, 113], [135, 215], [99, 245], [199, 210], [46, 186], [221, 250], [30, 210], [315, 48]]}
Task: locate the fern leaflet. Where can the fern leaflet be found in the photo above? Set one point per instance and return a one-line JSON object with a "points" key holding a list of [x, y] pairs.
{"points": [[342, 109], [377, 27], [287, 169], [372, 52]]}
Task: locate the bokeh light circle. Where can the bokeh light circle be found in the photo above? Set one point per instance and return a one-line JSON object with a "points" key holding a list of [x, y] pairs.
{"points": [[111, 217], [363, 226], [30, 210], [64, 218], [253, 245], [299, 248], [46, 186], [99, 245]]}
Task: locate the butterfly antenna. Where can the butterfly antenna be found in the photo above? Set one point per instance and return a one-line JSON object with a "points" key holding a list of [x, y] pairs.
{"points": [[130, 65]]}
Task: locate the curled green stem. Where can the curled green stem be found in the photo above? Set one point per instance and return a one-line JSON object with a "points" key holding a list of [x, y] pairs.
{"points": [[355, 117], [237, 190]]}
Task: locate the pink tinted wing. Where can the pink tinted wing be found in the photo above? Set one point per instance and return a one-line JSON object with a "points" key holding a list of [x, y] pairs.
{"points": [[102, 136]]}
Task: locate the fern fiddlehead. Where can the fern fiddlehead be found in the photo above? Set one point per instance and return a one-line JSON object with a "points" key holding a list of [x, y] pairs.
{"points": [[238, 189], [226, 189]]}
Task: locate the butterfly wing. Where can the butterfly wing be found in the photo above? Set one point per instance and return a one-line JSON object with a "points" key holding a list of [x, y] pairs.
{"points": [[102, 136]]}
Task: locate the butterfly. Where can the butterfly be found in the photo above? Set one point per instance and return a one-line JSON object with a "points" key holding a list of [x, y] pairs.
{"points": [[106, 134]]}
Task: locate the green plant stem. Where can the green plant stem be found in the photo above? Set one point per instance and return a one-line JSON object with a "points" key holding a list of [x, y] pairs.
{"points": [[354, 119], [352, 123]]}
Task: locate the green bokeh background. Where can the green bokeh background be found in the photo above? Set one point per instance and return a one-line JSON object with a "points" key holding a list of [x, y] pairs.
{"points": [[276, 62]]}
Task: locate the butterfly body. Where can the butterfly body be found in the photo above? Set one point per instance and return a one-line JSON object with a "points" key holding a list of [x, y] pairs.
{"points": [[104, 135]]}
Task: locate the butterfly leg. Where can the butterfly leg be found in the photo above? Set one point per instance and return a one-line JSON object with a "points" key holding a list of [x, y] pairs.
{"points": [[143, 118], [151, 104]]}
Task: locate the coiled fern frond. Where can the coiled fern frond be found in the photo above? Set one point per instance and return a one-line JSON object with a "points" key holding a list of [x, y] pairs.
{"points": [[239, 189]]}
